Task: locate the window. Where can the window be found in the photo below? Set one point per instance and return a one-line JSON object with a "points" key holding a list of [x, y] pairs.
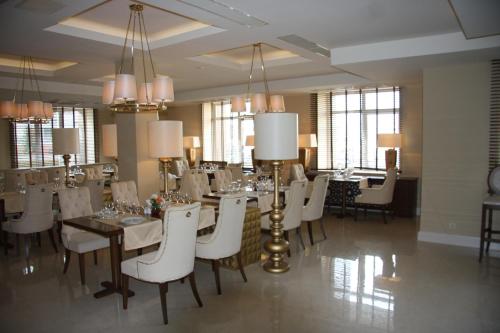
{"points": [[224, 134], [31, 144], [348, 122]]}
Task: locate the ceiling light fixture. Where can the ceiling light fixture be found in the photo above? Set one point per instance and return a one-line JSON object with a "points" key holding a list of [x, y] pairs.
{"points": [[34, 111], [122, 94], [259, 103]]}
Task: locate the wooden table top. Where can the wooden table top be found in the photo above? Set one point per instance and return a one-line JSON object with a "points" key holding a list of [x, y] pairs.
{"points": [[88, 223]]}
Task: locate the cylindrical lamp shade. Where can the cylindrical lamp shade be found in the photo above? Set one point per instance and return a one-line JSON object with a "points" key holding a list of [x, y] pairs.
{"points": [[258, 103], [308, 141], [22, 111], [165, 138], [66, 141], [238, 104], [48, 111], [108, 92], [250, 141], [276, 136], [35, 109], [192, 142], [109, 140], [146, 93], [163, 89], [391, 140], [7, 109], [277, 103], [125, 87]]}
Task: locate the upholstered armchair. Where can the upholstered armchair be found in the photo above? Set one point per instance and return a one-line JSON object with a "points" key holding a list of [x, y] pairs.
{"points": [[179, 167], [174, 260], [94, 172], [377, 197], [36, 177], [222, 179], [313, 210], [225, 241], [96, 189], [297, 173], [195, 184], [56, 172], [37, 216], [125, 191]]}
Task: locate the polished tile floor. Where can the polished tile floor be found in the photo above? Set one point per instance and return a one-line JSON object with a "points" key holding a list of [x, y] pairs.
{"points": [[367, 277]]}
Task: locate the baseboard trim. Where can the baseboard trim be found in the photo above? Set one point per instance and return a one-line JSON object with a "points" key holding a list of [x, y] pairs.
{"points": [[449, 239]]}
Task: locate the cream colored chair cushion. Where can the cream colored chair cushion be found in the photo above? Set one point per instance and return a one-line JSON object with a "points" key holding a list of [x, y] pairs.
{"points": [[125, 191], [36, 177], [222, 179], [95, 172], [380, 195]]}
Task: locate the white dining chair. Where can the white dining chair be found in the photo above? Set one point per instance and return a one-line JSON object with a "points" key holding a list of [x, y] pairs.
{"points": [[96, 188], [195, 184], [225, 241], [37, 216], [36, 177], [222, 179], [297, 173], [56, 174], [75, 202], [125, 191], [94, 172], [292, 214], [313, 210], [174, 260]]}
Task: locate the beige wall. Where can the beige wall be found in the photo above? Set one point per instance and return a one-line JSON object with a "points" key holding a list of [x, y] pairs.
{"points": [[455, 148], [190, 115]]}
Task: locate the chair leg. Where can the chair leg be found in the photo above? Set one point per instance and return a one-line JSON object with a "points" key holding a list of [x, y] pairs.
{"points": [[240, 266], [310, 231], [215, 269], [52, 241], [18, 244], [6, 242], [366, 212], [27, 241], [95, 257], [483, 222], [139, 252], [67, 257], [355, 212], [163, 297], [383, 215], [125, 291], [299, 233], [285, 234], [192, 281], [322, 226], [182, 281], [81, 260], [39, 239], [59, 231], [490, 224]]}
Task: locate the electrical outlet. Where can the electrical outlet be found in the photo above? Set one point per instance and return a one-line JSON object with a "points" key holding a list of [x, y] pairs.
{"points": [[452, 226]]}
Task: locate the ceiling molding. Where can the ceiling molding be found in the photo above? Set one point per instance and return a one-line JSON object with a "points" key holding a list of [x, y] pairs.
{"points": [[54, 87]]}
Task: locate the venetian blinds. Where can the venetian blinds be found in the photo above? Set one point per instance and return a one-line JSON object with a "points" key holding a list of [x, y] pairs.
{"points": [[494, 154], [31, 144], [348, 122]]}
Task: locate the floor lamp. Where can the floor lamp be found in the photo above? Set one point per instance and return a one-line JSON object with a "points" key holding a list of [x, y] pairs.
{"points": [[191, 143], [66, 141], [165, 142], [392, 141], [306, 142], [276, 135], [250, 142], [109, 141]]}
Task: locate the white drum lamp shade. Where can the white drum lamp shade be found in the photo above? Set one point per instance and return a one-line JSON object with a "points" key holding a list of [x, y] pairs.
{"points": [[277, 103], [308, 141], [276, 136], [391, 140], [250, 141], [108, 92], [109, 140], [192, 142], [66, 141], [35, 109], [7, 109], [238, 104], [163, 89], [145, 93], [165, 138], [125, 87], [258, 103]]}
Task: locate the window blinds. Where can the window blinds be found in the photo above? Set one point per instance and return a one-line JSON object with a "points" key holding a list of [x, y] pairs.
{"points": [[494, 154]]}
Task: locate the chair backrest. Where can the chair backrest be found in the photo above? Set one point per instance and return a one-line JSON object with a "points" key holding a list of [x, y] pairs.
{"points": [[13, 179], [36, 177], [226, 238], [125, 191], [56, 172], [179, 167], [175, 257], [297, 172], [223, 179], [494, 181], [293, 210], [37, 215], [387, 190], [195, 184], [314, 208], [94, 172], [96, 189], [236, 171], [74, 202]]}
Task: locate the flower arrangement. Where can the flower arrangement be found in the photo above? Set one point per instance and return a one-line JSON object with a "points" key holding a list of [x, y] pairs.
{"points": [[156, 201]]}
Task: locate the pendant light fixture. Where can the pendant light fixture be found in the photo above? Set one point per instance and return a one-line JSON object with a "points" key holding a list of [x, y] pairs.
{"points": [[124, 94], [19, 110], [261, 102]]}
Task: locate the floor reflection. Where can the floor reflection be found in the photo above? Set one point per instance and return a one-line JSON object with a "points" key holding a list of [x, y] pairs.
{"points": [[364, 285]]}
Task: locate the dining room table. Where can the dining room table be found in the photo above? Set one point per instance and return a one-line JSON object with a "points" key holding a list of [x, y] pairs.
{"points": [[342, 192], [146, 232]]}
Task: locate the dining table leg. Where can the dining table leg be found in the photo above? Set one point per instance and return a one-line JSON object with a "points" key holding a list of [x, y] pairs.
{"points": [[343, 205], [113, 286]]}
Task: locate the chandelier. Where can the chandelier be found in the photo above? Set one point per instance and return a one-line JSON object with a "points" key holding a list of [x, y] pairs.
{"points": [[122, 94], [258, 102], [17, 109]]}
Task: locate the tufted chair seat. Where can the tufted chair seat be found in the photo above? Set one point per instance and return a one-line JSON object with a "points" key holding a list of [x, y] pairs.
{"points": [[37, 177], [313, 210], [75, 202], [125, 191]]}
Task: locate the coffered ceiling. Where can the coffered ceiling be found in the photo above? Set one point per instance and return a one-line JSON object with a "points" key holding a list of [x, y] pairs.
{"points": [[205, 45]]}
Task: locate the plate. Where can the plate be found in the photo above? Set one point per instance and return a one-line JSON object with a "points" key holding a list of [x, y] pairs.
{"points": [[131, 220]]}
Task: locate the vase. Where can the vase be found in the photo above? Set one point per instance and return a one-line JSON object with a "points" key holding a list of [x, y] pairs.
{"points": [[155, 212]]}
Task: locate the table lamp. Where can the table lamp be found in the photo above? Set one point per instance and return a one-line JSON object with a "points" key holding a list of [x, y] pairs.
{"points": [[109, 141], [306, 142], [391, 140], [190, 144], [276, 136], [250, 142], [165, 142], [66, 141]]}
